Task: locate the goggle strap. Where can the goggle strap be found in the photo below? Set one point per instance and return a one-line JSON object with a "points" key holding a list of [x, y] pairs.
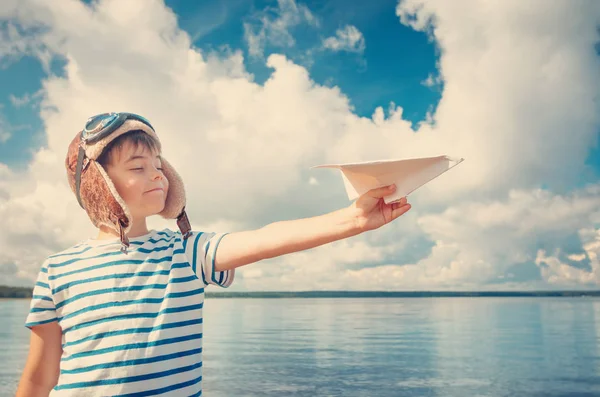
{"points": [[78, 170]]}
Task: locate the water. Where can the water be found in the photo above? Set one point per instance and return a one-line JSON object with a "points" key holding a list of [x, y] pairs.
{"points": [[381, 347]]}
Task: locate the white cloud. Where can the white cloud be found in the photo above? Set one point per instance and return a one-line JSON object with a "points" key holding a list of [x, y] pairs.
{"points": [[206, 17], [11, 42], [475, 245], [432, 81], [560, 274], [519, 88], [25, 99], [19, 101], [483, 239], [349, 38], [272, 26], [518, 102], [15, 42]]}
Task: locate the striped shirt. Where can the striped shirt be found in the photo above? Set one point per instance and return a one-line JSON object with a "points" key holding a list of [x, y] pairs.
{"points": [[131, 324]]}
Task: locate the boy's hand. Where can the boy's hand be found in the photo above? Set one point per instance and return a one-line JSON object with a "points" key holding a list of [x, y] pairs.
{"points": [[371, 212]]}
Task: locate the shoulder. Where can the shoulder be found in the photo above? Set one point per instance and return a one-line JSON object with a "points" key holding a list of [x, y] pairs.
{"points": [[72, 251], [195, 241], [176, 235]]}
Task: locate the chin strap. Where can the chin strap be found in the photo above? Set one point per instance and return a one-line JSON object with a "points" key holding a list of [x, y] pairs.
{"points": [[124, 239], [184, 224]]}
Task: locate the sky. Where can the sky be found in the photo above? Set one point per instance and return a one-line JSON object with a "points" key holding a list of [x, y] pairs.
{"points": [[247, 96]]}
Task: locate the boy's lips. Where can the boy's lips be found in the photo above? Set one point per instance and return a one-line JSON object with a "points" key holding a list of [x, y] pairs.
{"points": [[155, 190]]}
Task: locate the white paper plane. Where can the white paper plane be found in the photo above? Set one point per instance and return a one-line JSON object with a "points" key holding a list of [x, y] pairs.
{"points": [[408, 175]]}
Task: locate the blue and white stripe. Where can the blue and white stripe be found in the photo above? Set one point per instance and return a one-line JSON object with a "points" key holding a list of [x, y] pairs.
{"points": [[132, 324]]}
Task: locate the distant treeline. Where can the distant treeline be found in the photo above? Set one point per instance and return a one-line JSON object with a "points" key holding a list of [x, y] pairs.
{"points": [[21, 292], [399, 294], [15, 292]]}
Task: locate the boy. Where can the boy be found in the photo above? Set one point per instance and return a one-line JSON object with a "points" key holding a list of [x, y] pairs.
{"points": [[122, 314]]}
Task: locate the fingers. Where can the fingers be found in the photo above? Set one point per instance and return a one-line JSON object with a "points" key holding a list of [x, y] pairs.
{"points": [[399, 207], [382, 191], [400, 210], [399, 203]]}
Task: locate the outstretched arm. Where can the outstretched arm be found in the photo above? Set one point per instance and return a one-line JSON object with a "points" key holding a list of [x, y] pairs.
{"points": [[368, 212]]}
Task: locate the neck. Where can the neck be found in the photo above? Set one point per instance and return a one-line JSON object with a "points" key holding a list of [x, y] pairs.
{"points": [[138, 228]]}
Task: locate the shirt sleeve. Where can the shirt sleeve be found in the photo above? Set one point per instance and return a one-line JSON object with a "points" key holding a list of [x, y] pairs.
{"points": [[201, 250], [42, 309]]}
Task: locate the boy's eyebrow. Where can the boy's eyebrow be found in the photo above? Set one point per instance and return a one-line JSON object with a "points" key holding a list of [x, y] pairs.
{"points": [[139, 157]]}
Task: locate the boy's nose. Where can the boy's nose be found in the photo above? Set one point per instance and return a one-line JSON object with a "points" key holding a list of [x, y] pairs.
{"points": [[157, 174]]}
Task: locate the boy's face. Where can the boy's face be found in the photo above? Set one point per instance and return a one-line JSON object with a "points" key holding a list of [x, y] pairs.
{"points": [[137, 176]]}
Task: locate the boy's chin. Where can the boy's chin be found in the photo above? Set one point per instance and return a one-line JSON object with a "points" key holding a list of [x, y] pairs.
{"points": [[158, 210], [154, 210]]}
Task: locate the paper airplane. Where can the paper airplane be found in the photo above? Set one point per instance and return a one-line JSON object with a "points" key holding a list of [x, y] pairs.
{"points": [[408, 175]]}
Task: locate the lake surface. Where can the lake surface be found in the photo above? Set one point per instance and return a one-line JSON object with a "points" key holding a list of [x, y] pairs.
{"points": [[380, 347]]}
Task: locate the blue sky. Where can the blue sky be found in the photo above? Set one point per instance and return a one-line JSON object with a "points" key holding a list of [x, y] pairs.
{"points": [[369, 79], [258, 90], [372, 78]]}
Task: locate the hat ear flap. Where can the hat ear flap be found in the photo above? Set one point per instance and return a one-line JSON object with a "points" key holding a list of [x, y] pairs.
{"points": [[175, 201], [101, 199]]}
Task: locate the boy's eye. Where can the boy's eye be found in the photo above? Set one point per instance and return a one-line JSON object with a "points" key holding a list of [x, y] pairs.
{"points": [[138, 169]]}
